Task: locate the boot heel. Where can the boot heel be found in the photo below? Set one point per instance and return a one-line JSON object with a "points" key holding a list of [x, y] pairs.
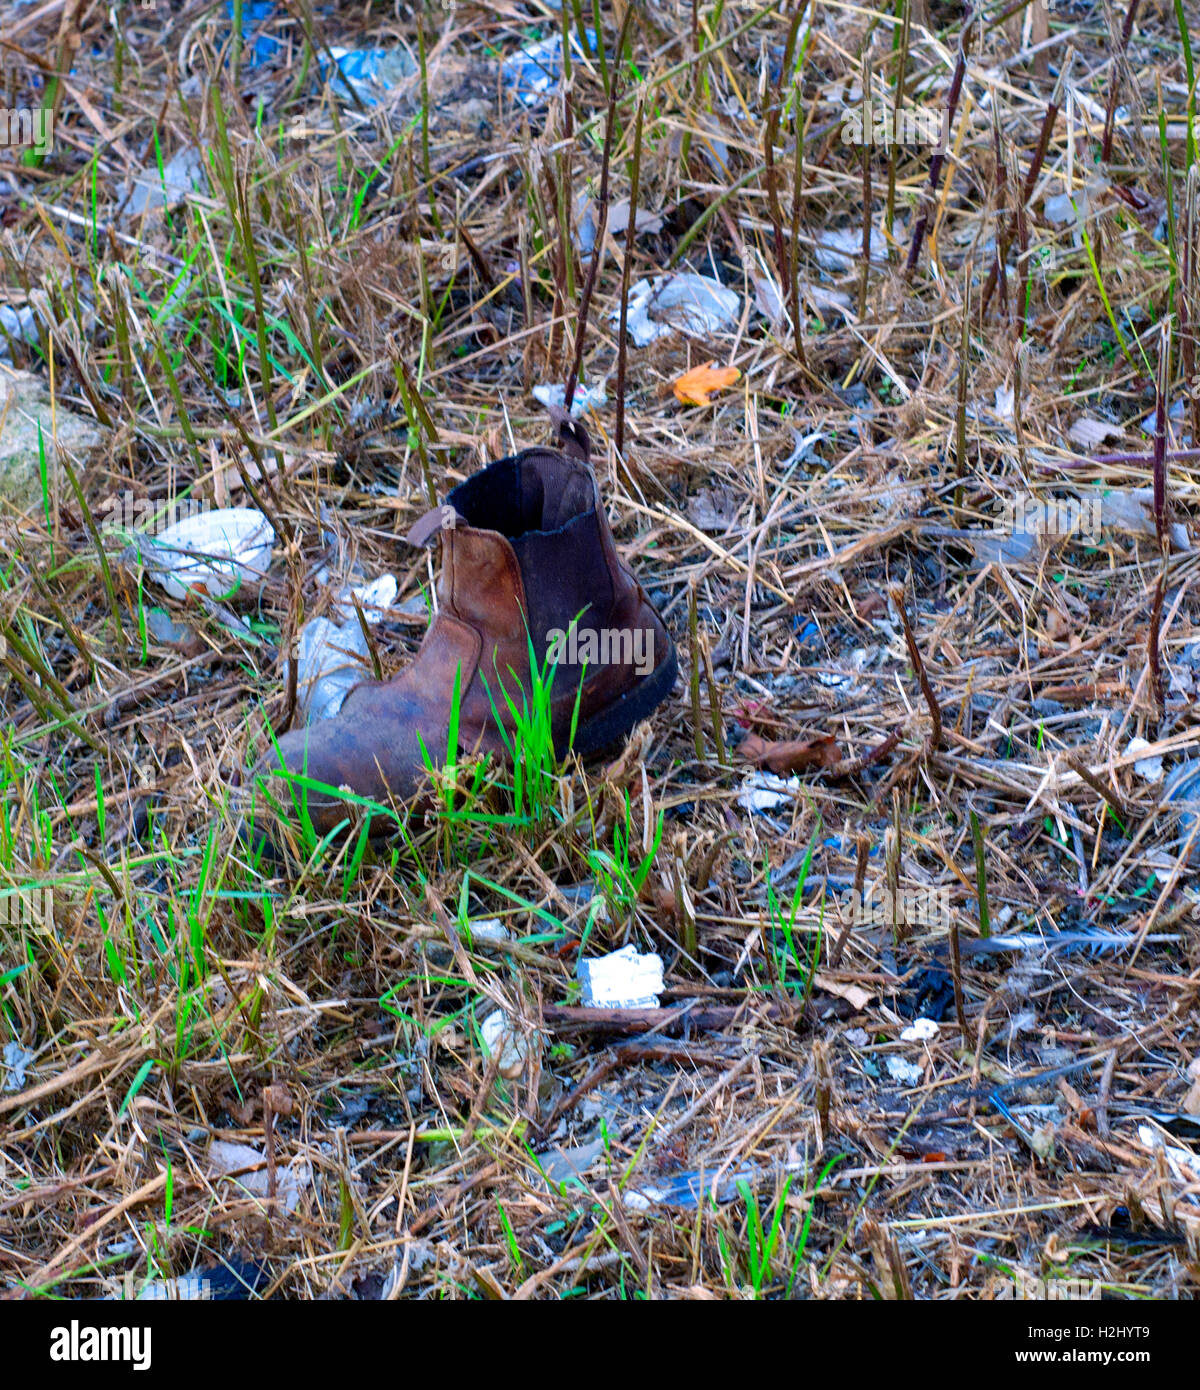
{"points": [[637, 703]]}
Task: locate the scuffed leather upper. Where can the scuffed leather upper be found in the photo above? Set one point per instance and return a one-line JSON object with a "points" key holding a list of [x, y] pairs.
{"points": [[532, 545]]}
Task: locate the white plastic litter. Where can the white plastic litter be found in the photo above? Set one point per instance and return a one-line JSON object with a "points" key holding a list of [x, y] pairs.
{"points": [[1148, 769], [768, 300], [689, 1189], [500, 1034], [763, 791], [15, 1059], [696, 305], [490, 929], [921, 1031], [585, 398], [1132, 510], [840, 248], [333, 656], [290, 1179], [213, 553], [1184, 1163], [155, 190], [19, 325], [332, 659], [623, 979], [374, 598], [1175, 414], [904, 1071], [1063, 209], [562, 1165]]}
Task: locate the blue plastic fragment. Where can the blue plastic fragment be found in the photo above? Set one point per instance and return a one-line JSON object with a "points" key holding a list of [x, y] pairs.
{"points": [[254, 16], [534, 71]]}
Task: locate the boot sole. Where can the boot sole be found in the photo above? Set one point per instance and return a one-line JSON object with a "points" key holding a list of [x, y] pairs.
{"points": [[599, 734], [638, 702]]}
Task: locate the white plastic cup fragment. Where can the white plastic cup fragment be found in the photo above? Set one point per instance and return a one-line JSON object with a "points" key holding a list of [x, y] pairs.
{"points": [[623, 979], [500, 1035], [332, 661], [213, 553]]}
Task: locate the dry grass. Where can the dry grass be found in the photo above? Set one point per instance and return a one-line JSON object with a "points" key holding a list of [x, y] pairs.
{"points": [[352, 313]]}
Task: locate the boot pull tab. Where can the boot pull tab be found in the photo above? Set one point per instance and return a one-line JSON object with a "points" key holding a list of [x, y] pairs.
{"points": [[572, 437], [433, 523]]}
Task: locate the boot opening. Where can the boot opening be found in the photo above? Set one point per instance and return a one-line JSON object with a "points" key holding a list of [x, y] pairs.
{"points": [[537, 491]]}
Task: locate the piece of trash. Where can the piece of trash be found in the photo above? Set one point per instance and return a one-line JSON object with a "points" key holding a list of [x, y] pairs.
{"points": [[255, 14], [921, 1031], [902, 1070], [1184, 1163], [688, 1190], [1090, 433], [564, 1165], [1183, 789], [17, 325], [374, 599], [489, 929], [646, 221], [584, 222], [1148, 769], [239, 1279], [15, 1060], [768, 297], [1093, 941], [226, 1158], [371, 73], [213, 553], [163, 628], [1064, 209], [585, 398], [332, 660], [623, 979], [824, 299], [803, 444], [502, 1035], [1175, 414], [159, 190], [995, 546], [764, 791], [696, 305], [696, 387], [1006, 400], [840, 249], [796, 755], [1132, 510], [835, 679], [533, 72]]}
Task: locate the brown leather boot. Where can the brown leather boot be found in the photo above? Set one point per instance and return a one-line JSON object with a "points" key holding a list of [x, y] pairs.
{"points": [[527, 557]]}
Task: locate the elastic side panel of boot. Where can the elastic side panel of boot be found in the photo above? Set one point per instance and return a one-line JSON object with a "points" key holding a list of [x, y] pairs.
{"points": [[544, 504], [566, 579]]}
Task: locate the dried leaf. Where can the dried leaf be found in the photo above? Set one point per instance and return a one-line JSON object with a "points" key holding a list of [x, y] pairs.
{"points": [[795, 756], [713, 509], [695, 387], [854, 995], [1090, 433]]}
